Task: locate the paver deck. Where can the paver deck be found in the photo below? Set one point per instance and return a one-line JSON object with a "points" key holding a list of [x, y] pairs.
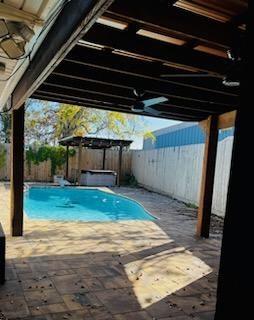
{"points": [[135, 270]]}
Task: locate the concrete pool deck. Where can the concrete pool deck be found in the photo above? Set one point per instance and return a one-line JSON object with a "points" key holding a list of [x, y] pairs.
{"points": [[134, 270]]}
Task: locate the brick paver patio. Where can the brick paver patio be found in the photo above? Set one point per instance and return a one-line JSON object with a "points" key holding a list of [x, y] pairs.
{"points": [[135, 270]]}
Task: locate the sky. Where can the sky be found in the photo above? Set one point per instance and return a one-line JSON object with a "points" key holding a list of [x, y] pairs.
{"points": [[152, 124]]}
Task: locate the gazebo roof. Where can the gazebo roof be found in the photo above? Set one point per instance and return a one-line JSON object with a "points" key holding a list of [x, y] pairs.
{"points": [[94, 142]]}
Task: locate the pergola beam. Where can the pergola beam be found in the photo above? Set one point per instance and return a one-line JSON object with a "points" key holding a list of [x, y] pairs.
{"points": [[161, 17], [225, 120], [165, 52], [118, 97], [102, 106], [103, 59], [77, 86], [192, 93]]}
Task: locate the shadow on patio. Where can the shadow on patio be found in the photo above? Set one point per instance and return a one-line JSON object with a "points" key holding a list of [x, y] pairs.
{"points": [[157, 283], [121, 270]]}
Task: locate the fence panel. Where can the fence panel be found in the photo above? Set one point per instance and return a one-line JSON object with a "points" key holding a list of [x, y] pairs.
{"points": [[176, 171], [91, 159]]}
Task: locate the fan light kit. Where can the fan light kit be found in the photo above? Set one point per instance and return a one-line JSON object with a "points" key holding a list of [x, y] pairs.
{"points": [[230, 83], [146, 105]]}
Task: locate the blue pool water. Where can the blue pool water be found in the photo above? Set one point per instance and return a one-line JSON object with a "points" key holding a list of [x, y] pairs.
{"points": [[72, 204]]}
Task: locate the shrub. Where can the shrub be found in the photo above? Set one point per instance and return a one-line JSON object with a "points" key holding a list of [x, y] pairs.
{"points": [[57, 156]]}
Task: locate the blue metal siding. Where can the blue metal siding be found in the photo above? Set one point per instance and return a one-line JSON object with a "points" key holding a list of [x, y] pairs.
{"points": [[181, 137]]}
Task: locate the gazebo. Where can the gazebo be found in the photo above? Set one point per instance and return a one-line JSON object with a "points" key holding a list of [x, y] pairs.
{"points": [[94, 143]]}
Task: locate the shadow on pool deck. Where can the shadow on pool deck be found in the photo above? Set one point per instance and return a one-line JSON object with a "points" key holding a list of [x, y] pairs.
{"points": [[156, 283], [129, 270]]}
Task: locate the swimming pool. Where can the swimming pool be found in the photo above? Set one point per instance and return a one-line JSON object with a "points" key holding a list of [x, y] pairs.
{"points": [[73, 204]]}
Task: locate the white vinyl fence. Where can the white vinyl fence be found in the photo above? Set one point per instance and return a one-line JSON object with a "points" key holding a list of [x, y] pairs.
{"points": [[176, 171]]}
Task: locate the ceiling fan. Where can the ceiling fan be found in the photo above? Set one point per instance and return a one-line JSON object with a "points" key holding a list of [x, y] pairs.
{"points": [[147, 104], [230, 80]]}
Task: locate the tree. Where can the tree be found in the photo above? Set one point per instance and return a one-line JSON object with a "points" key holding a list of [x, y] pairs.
{"points": [[5, 127], [46, 122], [40, 122]]}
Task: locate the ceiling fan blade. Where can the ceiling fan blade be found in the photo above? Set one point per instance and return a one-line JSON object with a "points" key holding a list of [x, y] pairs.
{"points": [[151, 102], [152, 111], [190, 75]]}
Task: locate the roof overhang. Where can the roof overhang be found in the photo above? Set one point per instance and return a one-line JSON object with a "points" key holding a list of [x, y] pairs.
{"points": [[122, 47], [94, 142], [39, 16]]}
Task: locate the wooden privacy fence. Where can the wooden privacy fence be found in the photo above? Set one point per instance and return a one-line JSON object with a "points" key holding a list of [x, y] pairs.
{"points": [[176, 171], [91, 159]]}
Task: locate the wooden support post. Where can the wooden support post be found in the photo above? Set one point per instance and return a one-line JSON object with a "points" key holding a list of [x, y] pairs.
{"points": [[79, 160], [235, 273], [206, 191], [17, 171], [119, 166], [233, 276], [67, 163], [104, 159], [2, 255]]}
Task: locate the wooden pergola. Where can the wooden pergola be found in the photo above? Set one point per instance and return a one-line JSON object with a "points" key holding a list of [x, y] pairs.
{"points": [[98, 51], [94, 143]]}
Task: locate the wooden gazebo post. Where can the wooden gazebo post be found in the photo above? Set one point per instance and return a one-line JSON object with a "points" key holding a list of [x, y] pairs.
{"points": [[67, 162], [79, 160], [119, 165], [104, 159]]}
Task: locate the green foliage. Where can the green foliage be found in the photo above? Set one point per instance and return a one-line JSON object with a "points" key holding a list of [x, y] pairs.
{"points": [[131, 180], [150, 135], [191, 205], [2, 156], [5, 127], [57, 156]]}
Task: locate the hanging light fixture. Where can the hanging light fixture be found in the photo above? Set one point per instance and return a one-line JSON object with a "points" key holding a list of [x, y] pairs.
{"points": [[13, 49], [20, 29], [14, 36]]}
